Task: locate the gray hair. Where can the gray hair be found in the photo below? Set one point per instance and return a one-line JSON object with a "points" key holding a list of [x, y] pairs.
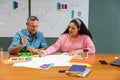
{"points": [[32, 18]]}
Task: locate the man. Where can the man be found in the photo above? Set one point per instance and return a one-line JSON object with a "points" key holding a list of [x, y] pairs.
{"points": [[28, 39]]}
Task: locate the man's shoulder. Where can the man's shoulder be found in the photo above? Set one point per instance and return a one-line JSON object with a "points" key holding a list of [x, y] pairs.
{"points": [[39, 33], [22, 32]]}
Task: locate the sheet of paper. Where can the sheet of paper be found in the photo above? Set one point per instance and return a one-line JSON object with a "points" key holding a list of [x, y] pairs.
{"points": [[58, 60]]}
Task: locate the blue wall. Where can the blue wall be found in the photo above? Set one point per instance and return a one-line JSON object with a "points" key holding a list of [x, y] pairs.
{"points": [[104, 23]]}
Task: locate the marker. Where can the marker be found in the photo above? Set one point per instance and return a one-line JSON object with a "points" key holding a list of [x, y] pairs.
{"points": [[15, 5], [72, 14], [65, 6], [58, 5]]}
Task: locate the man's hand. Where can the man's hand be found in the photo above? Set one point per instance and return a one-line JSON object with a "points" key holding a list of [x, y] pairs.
{"points": [[24, 41], [31, 49]]}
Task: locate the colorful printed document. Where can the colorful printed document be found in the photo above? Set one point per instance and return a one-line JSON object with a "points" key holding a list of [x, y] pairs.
{"points": [[20, 59]]}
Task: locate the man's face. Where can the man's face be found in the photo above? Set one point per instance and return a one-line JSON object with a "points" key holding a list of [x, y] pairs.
{"points": [[32, 27]]}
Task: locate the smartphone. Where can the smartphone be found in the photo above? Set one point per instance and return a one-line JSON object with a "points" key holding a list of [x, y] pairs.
{"points": [[103, 62]]}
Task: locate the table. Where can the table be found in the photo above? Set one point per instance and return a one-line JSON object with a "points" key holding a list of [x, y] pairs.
{"points": [[99, 71]]}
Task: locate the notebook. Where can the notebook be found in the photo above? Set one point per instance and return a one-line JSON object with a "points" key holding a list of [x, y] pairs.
{"points": [[76, 69], [46, 66]]}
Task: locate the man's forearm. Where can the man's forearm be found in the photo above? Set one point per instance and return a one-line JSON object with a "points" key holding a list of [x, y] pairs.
{"points": [[16, 49]]}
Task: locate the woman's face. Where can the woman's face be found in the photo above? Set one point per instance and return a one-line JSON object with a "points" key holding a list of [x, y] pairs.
{"points": [[73, 30]]}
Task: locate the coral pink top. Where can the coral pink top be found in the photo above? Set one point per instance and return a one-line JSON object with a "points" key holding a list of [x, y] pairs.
{"points": [[65, 45]]}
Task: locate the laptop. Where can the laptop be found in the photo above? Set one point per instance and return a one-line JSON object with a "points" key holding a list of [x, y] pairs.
{"points": [[116, 62]]}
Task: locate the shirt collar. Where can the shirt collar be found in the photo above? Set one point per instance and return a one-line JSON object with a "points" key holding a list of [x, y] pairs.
{"points": [[28, 34]]}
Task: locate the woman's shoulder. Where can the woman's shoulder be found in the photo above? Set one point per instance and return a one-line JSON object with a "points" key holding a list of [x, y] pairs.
{"points": [[64, 35], [84, 36]]}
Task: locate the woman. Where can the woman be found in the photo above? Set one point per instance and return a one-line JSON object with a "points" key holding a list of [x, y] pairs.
{"points": [[74, 40]]}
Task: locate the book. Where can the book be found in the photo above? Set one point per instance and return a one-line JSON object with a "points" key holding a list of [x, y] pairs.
{"points": [[46, 66], [83, 74], [76, 69]]}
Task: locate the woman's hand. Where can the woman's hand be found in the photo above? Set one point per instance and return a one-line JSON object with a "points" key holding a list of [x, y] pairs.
{"points": [[42, 53], [73, 53]]}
